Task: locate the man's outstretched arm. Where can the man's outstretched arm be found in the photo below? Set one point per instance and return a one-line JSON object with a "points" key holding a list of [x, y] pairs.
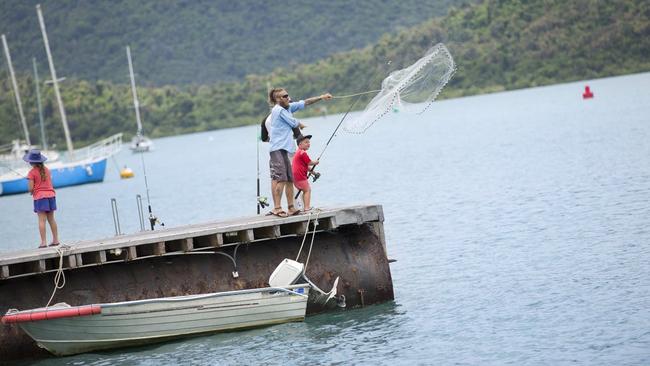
{"points": [[312, 100]]}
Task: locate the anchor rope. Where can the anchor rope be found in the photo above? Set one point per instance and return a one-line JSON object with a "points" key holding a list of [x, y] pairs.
{"points": [[59, 277], [304, 237], [311, 245], [313, 236], [307, 232]]}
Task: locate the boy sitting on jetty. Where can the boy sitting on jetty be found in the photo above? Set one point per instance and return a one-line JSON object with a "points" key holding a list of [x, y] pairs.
{"points": [[300, 167]]}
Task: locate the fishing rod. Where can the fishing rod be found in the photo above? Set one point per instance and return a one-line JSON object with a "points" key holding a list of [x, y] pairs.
{"points": [[337, 127], [257, 140], [311, 171], [358, 96], [152, 219], [8, 167], [262, 202]]}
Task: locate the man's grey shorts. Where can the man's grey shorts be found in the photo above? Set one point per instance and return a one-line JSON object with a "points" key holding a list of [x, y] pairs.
{"points": [[280, 166]]}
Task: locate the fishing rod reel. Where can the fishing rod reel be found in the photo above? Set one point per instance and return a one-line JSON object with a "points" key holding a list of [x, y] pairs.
{"points": [[153, 220], [314, 176], [263, 201]]}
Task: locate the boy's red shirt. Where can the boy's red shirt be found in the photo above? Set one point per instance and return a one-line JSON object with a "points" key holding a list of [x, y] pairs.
{"points": [[300, 165]]}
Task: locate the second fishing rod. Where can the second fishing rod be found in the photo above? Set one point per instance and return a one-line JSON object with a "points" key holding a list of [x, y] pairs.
{"points": [[311, 172], [358, 96]]}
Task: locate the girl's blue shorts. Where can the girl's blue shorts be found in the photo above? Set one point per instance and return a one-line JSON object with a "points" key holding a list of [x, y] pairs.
{"points": [[45, 205]]}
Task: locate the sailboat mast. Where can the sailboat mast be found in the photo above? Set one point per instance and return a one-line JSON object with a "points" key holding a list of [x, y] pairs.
{"points": [[16, 93], [55, 81], [39, 104], [135, 94]]}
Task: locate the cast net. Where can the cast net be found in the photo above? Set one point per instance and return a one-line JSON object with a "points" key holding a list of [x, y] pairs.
{"points": [[409, 90]]}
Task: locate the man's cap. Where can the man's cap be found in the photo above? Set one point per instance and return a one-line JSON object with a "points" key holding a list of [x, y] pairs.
{"points": [[301, 137]]}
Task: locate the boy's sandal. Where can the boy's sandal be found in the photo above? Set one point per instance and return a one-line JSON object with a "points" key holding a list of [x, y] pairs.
{"points": [[42, 246], [53, 244]]}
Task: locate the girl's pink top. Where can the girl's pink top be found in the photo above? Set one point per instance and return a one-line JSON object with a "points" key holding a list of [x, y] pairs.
{"points": [[42, 188]]}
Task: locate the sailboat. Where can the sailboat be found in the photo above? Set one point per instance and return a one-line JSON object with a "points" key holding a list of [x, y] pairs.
{"points": [[139, 143], [80, 166], [11, 154]]}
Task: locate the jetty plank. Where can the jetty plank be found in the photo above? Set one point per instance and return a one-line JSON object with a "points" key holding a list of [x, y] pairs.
{"points": [[245, 236], [39, 266], [187, 244], [70, 261], [215, 240], [159, 248], [131, 253]]}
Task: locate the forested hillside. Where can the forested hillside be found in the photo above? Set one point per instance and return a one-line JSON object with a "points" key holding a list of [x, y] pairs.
{"points": [[497, 45], [200, 41]]}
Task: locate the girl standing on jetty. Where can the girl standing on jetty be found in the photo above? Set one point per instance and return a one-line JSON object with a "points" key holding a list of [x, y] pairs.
{"points": [[40, 186]]}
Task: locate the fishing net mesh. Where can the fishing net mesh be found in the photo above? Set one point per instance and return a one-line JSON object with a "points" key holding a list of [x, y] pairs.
{"points": [[410, 90]]}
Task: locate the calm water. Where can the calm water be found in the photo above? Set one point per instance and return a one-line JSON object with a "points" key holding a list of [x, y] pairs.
{"points": [[520, 222]]}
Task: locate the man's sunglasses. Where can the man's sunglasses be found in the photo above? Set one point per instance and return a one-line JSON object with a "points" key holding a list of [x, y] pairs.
{"points": [[284, 96]]}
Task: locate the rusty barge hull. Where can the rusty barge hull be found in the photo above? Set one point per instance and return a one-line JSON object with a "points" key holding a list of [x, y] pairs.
{"points": [[212, 257]]}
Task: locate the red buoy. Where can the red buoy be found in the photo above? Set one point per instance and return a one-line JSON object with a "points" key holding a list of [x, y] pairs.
{"points": [[587, 94]]}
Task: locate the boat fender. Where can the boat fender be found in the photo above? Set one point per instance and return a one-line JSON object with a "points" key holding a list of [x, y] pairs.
{"points": [[48, 314], [89, 170]]}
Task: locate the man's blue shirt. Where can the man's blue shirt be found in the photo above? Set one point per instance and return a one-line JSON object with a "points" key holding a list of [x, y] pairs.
{"points": [[282, 123]]}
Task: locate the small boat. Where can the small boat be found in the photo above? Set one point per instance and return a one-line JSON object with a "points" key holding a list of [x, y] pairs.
{"points": [[139, 143], [66, 330]]}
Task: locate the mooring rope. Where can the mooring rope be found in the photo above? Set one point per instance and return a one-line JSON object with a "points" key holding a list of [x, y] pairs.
{"points": [[313, 236], [304, 237], [59, 277]]}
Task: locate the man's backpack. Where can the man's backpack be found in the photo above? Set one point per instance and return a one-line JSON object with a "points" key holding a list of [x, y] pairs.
{"points": [[265, 132]]}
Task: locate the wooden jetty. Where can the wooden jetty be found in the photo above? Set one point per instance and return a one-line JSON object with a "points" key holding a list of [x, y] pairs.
{"points": [[227, 255]]}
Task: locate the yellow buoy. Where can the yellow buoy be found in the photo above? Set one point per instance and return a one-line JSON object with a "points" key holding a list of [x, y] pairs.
{"points": [[126, 173]]}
